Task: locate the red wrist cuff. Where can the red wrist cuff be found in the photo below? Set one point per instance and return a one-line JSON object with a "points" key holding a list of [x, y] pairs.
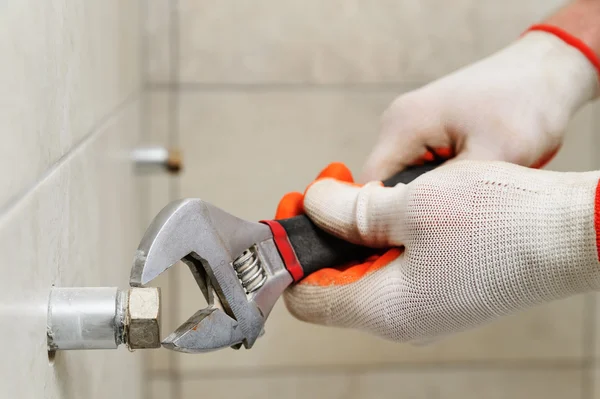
{"points": [[570, 40]]}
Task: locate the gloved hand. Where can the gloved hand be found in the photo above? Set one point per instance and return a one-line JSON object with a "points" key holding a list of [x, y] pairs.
{"points": [[481, 240], [513, 106]]}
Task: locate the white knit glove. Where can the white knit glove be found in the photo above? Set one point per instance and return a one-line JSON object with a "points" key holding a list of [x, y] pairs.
{"points": [[482, 240], [513, 106]]}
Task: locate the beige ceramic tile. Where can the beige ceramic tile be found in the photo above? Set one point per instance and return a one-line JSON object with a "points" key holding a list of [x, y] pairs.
{"points": [[157, 40], [553, 332], [489, 384], [224, 134], [156, 131], [578, 152], [314, 41], [160, 389], [66, 66], [156, 116], [252, 148], [78, 227], [265, 144], [499, 23], [595, 324], [474, 384], [596, 131], [344, 41], [334, 386], [595, 384]]}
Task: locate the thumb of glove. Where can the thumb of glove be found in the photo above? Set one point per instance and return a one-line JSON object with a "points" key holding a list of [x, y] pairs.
{"points": [[370, 215]]}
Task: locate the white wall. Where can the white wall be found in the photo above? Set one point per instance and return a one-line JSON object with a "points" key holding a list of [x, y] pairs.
{"points": [[69, 200]]}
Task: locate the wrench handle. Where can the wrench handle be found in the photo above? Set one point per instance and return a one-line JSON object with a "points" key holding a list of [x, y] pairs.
{"points": [[315, 249]]}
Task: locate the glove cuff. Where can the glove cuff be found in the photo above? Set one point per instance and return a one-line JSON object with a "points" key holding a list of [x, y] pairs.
{"points": [[574, 42], [570, 40]]}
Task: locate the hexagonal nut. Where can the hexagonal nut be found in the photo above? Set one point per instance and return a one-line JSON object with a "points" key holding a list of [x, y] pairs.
{"points": [[143, 318]]}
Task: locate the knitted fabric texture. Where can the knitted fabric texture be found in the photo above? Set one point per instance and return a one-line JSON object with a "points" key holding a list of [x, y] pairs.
{"points": [[482, 240]]}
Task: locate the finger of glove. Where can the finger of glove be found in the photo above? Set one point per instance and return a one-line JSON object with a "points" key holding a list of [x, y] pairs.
{"points": [[291, 203], [517, 149], [407, 135], [353, 303], [370, 215], [387, 159], [337, 171]]}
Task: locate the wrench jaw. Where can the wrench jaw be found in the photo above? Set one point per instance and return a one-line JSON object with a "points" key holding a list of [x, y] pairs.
{"points": [[207, 330], [195, 264], [209, 240], [211, 329]]}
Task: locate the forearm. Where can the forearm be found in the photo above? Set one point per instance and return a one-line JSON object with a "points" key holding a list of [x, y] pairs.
{"points": [[580, 18]]}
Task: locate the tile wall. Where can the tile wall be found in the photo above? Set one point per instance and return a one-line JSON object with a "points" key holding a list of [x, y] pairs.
{"points": [[305, 82], [69, 198]]}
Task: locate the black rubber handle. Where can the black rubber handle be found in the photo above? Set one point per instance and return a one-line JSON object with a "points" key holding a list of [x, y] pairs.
{"points": [[316, 249]]}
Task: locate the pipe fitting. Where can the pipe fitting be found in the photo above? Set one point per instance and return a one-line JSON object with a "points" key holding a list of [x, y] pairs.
{"points": [[81, 318], [142, 320], [148, 159]]}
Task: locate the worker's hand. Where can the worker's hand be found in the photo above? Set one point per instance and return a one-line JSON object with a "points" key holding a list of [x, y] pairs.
{"points": [[513, 106], [481, 240]]}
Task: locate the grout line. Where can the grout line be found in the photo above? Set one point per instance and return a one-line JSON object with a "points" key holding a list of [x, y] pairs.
{"points": [[307, 370], [589, 385], [592, 387], [588, 345], [143, 120], [268, 87], [144, 51], [97, 127], [596, 130], [174, 73], [147, 392], [172, 362], [174, 187]]}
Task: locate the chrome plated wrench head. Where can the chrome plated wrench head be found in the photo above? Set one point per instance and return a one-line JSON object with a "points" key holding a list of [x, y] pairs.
{"points": [[234, 262]]}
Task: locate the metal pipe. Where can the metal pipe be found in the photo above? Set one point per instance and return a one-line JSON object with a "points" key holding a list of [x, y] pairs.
{"points": [[148, 159], [103, 318], [86, 318]]}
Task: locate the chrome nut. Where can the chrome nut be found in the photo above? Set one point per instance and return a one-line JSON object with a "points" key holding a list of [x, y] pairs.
{"points": [[142, 322]]}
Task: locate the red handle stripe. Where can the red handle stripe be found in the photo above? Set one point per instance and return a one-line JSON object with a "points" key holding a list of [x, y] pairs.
{"points": [[282, 242]]}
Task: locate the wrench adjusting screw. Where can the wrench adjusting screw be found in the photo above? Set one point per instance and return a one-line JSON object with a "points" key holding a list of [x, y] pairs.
{"points": [[249, 270]]}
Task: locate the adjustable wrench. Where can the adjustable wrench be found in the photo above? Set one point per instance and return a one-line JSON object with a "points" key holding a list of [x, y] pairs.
{"points": [[241, 267]]}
